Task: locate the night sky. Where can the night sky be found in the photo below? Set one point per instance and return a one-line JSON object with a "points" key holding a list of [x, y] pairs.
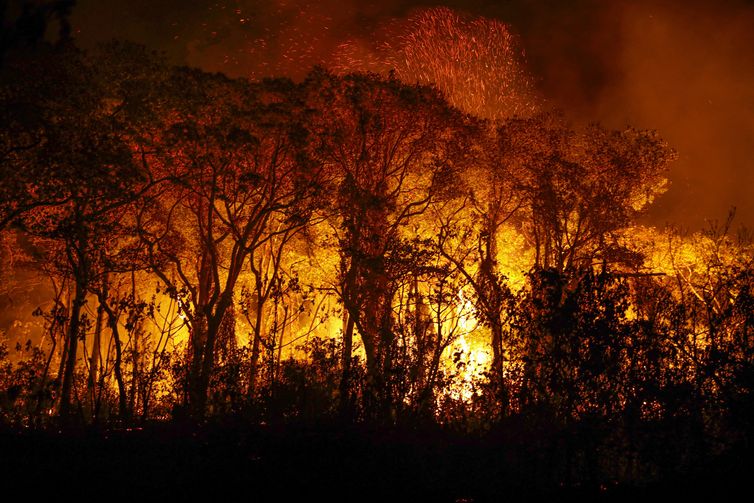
{"points": [[684, 68]]}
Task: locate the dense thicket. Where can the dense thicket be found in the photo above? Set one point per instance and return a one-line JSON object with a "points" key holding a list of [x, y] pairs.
{"points": [[354, 248]]}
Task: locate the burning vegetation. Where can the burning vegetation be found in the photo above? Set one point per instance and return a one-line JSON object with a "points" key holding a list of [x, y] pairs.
{"points": [[359, 247]]}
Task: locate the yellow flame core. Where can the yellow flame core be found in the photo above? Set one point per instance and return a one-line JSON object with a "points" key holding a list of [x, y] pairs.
{"points": [[467, 359], [471, 362]]}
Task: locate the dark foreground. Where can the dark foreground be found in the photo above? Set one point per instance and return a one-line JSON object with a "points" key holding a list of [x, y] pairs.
{"points": [[316, 464]]}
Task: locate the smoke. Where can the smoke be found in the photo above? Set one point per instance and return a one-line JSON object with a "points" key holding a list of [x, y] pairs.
{"points": [[251, 38], [682, 67], [690, 74], [474, 61]]}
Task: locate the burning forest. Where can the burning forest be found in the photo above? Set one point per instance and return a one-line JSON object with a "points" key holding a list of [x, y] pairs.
{"points": [[404, 246]]}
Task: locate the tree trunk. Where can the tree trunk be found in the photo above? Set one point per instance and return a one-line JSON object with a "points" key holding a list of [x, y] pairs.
{"points": [[94, 363], [200, 389], [201, 385], [497, 364], [61, 363], [279, 357], [255, 346], [74, 327], [43, 381], [118, 365], [367, 297], [345, 377], [195, 353], [132, 396]]}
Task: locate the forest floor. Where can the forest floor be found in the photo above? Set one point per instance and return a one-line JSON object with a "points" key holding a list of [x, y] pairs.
{"points": [[294, 463]]}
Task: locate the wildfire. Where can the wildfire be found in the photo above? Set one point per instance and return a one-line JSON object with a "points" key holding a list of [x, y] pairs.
{"points": [[468, 363], [355, 238], [475, 62]]}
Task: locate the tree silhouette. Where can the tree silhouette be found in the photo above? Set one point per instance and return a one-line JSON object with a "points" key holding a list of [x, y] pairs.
{"points": [[390, 148], [239, 188], [581, 188]]}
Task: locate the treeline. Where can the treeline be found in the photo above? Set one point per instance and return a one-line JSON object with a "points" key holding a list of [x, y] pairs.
{"points": [[284, 251]]}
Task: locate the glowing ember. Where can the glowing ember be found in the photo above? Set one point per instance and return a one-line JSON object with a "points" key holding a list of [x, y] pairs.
{"points": [[474, 62]]}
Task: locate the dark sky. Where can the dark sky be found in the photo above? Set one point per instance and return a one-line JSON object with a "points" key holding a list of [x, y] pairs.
{"points": [[684, 68]]}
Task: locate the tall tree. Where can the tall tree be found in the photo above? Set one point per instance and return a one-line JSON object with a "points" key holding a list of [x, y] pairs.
{"points": [[390, 149], [470, 234], [239, 188], [77, 179], [581, 187]]}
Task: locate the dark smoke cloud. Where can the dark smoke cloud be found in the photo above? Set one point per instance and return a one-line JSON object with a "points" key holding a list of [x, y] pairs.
{"points": [[241, 37], [687, 70], [682, 67]]}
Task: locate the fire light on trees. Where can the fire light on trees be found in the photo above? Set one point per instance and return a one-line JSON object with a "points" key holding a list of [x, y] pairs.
{"points": [[405, 245]]}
